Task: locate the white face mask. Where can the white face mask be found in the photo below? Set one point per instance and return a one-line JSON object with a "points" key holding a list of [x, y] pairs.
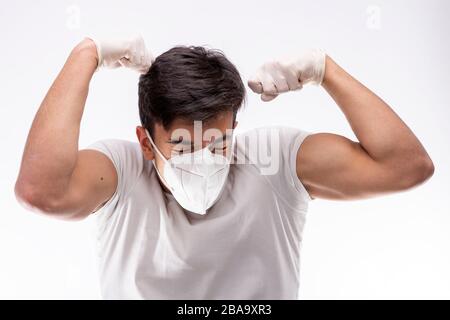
{"points": [[196, 179]]}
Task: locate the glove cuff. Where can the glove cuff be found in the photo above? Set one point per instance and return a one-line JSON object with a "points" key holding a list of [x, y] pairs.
{"points": [[319, 66]]}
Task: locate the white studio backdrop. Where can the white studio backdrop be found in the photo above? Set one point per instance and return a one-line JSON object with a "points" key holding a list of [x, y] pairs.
{"points": [[392, 247]]}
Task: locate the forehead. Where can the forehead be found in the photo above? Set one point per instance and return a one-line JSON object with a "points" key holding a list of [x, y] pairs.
{"points": [[188, 129]]}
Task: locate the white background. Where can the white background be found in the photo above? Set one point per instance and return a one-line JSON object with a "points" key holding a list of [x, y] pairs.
{"points": [[392, 247]]}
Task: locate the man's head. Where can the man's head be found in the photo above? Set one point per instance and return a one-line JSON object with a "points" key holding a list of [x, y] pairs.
{"points": [[183, 85]]}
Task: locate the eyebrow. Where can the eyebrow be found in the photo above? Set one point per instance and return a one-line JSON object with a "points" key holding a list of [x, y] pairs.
{"points": [[190, 143]]}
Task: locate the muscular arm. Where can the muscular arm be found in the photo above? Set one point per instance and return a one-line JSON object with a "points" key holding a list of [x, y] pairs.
{"points": [[55, 177], [387, 157]]}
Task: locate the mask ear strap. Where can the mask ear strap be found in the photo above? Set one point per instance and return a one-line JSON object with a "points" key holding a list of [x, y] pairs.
{"points": [[154, 146], [154, 163]]}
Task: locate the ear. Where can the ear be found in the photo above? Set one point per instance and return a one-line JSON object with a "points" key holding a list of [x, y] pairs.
{"points": [[146, 146]]}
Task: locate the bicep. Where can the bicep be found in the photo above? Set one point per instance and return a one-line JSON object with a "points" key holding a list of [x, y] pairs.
{"points": [[93, 182], [334, 167]]}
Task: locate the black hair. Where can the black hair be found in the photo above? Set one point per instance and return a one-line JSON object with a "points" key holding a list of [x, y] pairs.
{"points": [[189, 82]]}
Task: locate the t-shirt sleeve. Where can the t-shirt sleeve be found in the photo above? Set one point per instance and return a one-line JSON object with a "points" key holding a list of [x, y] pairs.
{"points": [[292, 139], [274, 152], [127, 159]]}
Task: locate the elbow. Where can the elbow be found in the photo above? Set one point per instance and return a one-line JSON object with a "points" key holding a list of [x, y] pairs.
{"points": [[23, 195], [420, 172], [28, 197], [428, 169], [33, 199], [424, 170]]}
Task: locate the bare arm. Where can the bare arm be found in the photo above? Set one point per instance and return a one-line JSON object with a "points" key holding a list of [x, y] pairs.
{"points": [[388, 157], [55, 177]]}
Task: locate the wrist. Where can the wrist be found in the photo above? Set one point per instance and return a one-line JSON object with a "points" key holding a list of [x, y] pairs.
{"points": [[87, 50], [310, 67]]}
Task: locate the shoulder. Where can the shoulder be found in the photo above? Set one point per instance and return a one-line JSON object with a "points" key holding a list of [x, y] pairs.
{"points": [[127, 157], [114, 145], [267, 132], [271, 138], [118, 149], [273, 151]]}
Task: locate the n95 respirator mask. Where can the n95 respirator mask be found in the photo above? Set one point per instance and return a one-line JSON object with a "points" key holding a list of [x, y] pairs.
{"points": [[196, 179]]}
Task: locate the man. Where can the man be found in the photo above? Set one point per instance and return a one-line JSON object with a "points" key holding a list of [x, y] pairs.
{"points": [[183, 217]]}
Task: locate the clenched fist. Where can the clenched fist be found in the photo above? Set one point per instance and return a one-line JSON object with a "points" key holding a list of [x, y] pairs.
{"points": [[130, 53], [288, 74]]}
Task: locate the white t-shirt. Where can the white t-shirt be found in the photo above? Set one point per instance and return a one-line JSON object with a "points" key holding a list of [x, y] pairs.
{"points": [[247, 246]]}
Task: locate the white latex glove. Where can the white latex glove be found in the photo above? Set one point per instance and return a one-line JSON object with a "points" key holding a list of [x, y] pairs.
{"points": [[288, 74], [130, 53]]}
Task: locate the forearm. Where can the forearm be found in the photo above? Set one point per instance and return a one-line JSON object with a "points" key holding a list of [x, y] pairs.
{"points": [[51, 149], [383, 135]]}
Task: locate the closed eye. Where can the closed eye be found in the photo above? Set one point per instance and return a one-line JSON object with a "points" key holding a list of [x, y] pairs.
{"points": [[181, 151], [216, 149], [219, 149]]}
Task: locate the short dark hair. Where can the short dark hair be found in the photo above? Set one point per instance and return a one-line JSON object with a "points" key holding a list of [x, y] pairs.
{"points": [[189, 82]]}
